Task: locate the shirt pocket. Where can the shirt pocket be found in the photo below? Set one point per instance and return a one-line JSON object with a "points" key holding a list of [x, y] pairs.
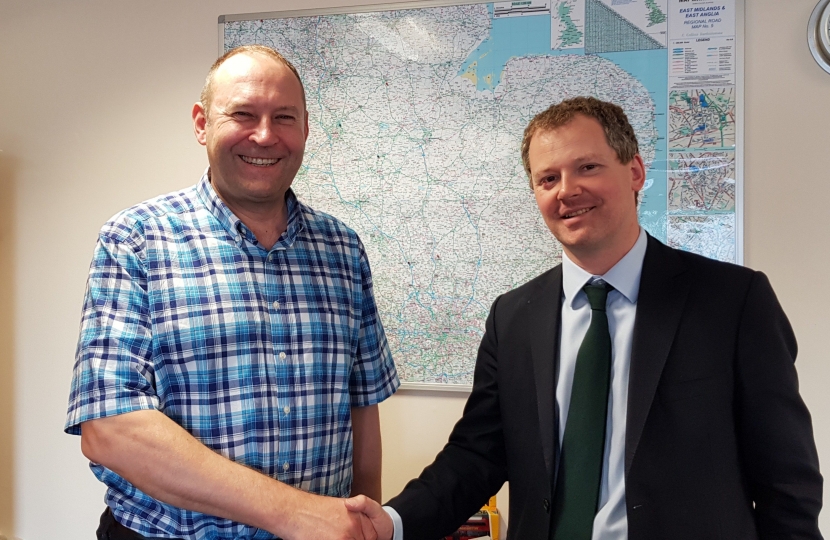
{"points": [[324, 339]]}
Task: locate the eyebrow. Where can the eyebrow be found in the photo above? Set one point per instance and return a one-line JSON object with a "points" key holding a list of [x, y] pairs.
{"points": [[233, 103], [580, 160], [587, 157]]}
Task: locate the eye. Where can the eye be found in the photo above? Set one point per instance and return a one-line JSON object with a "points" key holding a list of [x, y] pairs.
{"points": [[284, 118], [547, 180], [242, 114]]}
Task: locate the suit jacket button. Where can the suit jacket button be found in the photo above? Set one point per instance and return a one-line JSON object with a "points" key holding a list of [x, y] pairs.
{"points": [[546, 505]]}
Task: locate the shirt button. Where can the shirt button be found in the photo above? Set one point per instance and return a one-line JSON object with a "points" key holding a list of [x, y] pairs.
{"points": [[285, 466], [282, 356], [546, 505], [276, 305], [286, 409]]}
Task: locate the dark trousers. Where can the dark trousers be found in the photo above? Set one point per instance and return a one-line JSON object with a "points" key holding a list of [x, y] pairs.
{"points": [[110, 529]]}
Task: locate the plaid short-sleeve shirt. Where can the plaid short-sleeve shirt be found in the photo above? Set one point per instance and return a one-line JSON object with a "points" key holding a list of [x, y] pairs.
{"points": [[259, 354]]}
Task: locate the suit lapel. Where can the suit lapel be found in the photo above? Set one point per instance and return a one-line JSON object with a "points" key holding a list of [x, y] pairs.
{"points": [[663, 292], [544, 310]]}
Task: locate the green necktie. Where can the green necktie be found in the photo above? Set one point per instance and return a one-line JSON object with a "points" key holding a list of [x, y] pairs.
{"points": [[580, 463]]}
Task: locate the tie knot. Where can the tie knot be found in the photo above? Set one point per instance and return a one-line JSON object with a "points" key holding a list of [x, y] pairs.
{"points": [[597, 293]]}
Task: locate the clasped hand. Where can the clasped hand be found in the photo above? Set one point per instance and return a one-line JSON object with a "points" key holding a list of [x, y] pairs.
{"points": [[375, 522], [330, 518]]}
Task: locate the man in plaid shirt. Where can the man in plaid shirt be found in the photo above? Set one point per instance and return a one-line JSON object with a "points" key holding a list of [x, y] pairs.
{"points": [[231, 359]]}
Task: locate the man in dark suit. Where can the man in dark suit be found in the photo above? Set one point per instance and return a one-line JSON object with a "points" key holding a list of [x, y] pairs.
{"points": [[701, 433]]}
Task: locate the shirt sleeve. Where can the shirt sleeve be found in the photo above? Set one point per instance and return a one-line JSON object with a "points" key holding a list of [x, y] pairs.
{"points": [[113, 371], [374, 377], [397, 522]]}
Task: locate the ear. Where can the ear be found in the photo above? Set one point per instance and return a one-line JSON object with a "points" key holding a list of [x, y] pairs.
{"points": [[199, 123], [638, 173], [306, 125]]}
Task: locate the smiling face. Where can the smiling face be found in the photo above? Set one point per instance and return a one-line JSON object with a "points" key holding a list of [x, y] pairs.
{"points": [[586, 196], [254, 132]]}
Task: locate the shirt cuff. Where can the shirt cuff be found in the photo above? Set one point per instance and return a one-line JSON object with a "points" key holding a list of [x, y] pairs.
{"points": [[396, 521]]}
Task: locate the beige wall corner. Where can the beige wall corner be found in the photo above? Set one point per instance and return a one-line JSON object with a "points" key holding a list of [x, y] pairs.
{"points": [[7, 335]]}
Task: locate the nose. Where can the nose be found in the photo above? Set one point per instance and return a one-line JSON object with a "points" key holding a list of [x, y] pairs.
{"points": [[265, 133], [568, 186]]}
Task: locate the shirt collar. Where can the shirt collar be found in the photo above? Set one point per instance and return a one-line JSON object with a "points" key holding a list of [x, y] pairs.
{"points": [[296, 221], [623, 276], [234, 226]]}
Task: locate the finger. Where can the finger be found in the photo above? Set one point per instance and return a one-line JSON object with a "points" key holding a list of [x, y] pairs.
{"points": [[382, 522], [356, 527], [368, 527]]}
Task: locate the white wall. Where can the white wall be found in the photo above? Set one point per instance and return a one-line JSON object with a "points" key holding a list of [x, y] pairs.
{"points": [[94, 116]]}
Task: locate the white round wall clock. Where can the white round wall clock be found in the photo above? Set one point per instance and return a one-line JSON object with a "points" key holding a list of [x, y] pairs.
{"points": [[818, 34]]}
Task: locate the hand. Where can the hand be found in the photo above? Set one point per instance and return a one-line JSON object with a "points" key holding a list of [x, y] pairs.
{"points": [[376, 515], [316, 517]]}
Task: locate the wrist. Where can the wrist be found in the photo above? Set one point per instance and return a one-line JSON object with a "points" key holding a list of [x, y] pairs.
{"points": [[284, 510]]}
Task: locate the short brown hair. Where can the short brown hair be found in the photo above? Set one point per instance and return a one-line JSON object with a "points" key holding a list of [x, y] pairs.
{"points": [[618, 131], [207, 90]]}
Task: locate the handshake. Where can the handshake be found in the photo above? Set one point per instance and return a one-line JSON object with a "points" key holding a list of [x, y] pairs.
{"points": [[328, 518]]}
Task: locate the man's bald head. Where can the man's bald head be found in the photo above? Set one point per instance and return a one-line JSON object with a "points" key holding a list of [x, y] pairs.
{"points": [[207, 90]]}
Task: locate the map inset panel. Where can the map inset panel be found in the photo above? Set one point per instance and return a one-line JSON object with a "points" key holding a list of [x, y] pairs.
{"points": [[606, 30], [647, 15], [522, 8], [702, 181], [702, 119], [567, 24], [712, 236]]}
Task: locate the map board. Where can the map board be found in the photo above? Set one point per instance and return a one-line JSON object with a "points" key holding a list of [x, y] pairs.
{"points": [[416, 115]]}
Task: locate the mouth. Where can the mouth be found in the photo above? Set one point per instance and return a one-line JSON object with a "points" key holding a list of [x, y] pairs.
{"points": [[259, 162], [578, 212]]}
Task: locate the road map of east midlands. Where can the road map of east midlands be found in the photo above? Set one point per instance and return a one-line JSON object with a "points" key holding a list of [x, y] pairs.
{"points": [[416, 117]]}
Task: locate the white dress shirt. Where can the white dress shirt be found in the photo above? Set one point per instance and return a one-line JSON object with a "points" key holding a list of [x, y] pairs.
{"points": [[611, 521]]}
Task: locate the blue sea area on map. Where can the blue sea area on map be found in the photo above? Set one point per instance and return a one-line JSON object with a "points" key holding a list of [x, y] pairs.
{"points": [[652, 69], [509, 37]]}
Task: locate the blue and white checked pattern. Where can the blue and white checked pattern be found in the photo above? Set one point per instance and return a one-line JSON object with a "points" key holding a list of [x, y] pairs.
{"points": [[258, 354]]}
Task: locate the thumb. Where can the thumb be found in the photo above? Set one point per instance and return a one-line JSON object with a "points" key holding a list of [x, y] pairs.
{"points": [[381, 521], [365, 505]]}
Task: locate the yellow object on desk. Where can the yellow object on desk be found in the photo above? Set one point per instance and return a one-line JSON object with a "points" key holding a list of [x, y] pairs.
{"points": [[495, 521], [484, 524]]}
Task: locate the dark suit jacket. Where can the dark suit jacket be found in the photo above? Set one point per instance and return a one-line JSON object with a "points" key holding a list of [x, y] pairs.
{"points": [[719, 444]]}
